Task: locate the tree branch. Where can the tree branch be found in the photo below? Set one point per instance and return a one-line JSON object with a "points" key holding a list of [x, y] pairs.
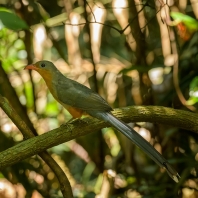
{"points": [[156, 114], [27, 133]]}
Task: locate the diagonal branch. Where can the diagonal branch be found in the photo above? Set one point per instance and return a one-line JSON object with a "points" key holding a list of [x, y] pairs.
{"points": [[161, 115], [27, 133]]}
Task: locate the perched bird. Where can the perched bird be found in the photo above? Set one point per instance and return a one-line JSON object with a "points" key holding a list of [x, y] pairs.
{"points": [[79, 99]]}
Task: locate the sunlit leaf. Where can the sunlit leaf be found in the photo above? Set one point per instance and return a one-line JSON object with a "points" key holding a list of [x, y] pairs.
{"points": [[29, 95], [12, 21], [188, 21], [192, 100], [194, 84], [51, 108], [193, 92], [1, 175]]}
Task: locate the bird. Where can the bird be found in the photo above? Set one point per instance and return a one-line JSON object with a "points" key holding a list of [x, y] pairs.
{"points": [[79, 100]]}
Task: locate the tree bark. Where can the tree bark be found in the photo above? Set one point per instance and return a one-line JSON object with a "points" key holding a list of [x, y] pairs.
{"points": [[67, 132]]}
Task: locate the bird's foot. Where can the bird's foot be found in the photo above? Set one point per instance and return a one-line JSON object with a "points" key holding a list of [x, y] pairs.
{"points": [[68, 124], [72, 121]]}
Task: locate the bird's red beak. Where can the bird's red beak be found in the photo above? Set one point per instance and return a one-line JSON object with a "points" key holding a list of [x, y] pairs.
{"points": [[32, 66]]}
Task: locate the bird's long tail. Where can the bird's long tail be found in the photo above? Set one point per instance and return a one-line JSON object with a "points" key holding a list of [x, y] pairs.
{"points": [[141, 143]]}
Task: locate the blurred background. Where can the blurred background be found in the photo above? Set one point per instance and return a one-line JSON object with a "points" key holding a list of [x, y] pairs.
{"points": [[131, 53]]}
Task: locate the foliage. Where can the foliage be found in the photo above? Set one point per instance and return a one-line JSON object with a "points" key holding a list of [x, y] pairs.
{"points": [[133, 66], [12, 21]]}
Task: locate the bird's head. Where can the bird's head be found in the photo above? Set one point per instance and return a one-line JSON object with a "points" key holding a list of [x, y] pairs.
{"points": [[45, 68], [42, 67]]}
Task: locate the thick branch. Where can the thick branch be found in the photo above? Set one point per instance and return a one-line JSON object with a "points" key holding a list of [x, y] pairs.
{"points": [[156, 114]]}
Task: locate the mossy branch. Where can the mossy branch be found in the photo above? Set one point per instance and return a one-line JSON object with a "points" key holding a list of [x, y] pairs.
{"points": [[77, 128]]}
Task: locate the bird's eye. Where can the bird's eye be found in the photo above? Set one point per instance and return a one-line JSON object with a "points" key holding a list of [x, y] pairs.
{"points": [[42, 64]]}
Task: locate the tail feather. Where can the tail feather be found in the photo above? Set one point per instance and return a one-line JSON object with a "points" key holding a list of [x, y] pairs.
{"points": [[141, 143]]}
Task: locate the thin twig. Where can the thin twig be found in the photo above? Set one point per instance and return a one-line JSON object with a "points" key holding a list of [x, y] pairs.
{"points": [[85, 2], [134, 17], [112, 27], [120, 31], [176, 71]]}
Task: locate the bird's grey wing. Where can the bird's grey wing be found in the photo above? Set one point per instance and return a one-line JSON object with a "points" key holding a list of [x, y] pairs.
{"points": [[79, 96]]}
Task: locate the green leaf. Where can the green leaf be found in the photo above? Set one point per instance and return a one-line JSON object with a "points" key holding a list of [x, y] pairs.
{"points": [[12, 21], [1, 175], [188, 21], [193, 92], [52, 108]]}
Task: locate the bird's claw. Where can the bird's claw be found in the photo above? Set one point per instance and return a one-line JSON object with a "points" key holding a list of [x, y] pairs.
{"points": [[72, 120]]}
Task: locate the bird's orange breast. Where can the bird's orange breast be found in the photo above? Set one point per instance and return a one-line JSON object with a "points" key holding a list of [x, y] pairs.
{"points": [[48, 77], [76, 113]]}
